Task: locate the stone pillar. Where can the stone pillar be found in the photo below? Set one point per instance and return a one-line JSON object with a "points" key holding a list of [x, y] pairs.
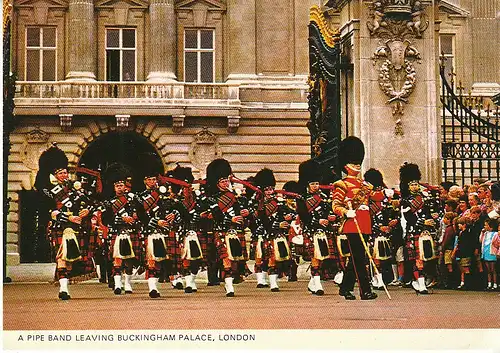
{"points": [[396, 115], [82, 41], [241, 39], [162, 39]]}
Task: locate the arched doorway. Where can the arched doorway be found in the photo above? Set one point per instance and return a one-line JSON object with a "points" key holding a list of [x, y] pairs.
{"points": [[124, 147]]}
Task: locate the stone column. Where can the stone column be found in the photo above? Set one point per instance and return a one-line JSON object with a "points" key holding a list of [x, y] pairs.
{"points": [[82, 41], [162, 39]]}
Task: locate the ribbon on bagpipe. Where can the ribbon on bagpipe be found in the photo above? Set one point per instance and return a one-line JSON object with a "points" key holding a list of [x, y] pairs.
{"points": [[288, 193], [165, 179], [245, 183], [93, 173]]}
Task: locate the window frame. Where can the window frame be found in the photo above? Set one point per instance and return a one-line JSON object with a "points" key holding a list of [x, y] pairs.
{"points": [[199, 50], [121, 49], [40, 50]]}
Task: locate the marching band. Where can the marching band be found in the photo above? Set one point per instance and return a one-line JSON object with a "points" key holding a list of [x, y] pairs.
{"points": [[351, 229]]}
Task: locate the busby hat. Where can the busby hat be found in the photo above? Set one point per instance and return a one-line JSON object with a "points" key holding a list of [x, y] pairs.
{"points": [[351, 151], [265, 178], [218, 169], [292, 186], [151, 166], [409, 172], [183, 173], [374, 177], [51, 161], [309, 171], [117, 172]]}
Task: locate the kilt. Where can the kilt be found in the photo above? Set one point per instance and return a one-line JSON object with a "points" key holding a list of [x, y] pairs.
{"points": [[412, 251], [265, 244], [205, 238], [137, 245], [309, 245], [448, 259], [82, 267], [174, 251], [220, 243]]}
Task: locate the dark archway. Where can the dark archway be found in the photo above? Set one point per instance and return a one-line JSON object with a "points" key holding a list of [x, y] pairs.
{"points": [[123, 147]]}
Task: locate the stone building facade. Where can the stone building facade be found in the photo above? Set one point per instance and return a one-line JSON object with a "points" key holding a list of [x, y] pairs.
{"points": [[193, 80]]}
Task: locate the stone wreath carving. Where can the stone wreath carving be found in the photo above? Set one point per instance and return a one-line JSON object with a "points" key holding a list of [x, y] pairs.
{"points": [[395, 22]]}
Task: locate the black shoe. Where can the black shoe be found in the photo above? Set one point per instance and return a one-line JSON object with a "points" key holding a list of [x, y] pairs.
{"points": [[111, 285], [347, 295], [64, 296], [154, 294], [211, 284], [178, 285], [369, 296], [292, 279], [128, 292], [260, 285], [230, 294], [319, 292], [275, 289], [188, 290], [117, 291]]}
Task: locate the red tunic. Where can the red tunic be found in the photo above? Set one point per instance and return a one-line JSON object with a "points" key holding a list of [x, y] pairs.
{"points": [[353, 192]]}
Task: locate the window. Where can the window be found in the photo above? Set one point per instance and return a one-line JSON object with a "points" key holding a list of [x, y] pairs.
{"points": [[120, 54], [40, 54], [446, 46], [199, 55]]}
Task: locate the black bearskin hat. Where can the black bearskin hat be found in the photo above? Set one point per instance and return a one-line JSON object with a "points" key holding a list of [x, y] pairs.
{"points": [[265, 178], [292, 186], [351, 151], [216, 170], [117, 172], [374, 177], [152, 165], [51, 161], [309, 171], [183, 173], [249, 192], [408, 172]]}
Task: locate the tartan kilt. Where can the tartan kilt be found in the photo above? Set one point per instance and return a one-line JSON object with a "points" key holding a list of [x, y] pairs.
{"points": [[309, 245], [174, 251], [137, 245], [205, 239], [411, 248], [80, 267], [220, 243], [266, 249]]}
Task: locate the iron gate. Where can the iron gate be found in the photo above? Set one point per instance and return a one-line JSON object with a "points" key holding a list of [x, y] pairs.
{"points": [[326, 66], [470, 135]]}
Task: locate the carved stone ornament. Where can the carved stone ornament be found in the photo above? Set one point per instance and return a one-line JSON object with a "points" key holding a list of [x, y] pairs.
{"points": [[395, 23], [36, 141], [204, 149]]}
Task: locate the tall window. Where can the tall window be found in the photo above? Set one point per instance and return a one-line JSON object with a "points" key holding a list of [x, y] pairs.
{"points": [[446, 44], [199, 55], [120, 54], [40, 54]]}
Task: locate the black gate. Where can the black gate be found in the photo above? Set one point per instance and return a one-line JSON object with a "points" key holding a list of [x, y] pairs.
{"points": [[470, 135], [326, 65]]}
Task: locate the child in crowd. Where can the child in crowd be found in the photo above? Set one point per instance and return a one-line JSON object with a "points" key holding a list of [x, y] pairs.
{"points": [[448, 244], [462, 250], [487, 255]]}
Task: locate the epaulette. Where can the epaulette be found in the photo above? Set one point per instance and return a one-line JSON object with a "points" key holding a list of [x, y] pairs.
{"points": [[340, 184]]}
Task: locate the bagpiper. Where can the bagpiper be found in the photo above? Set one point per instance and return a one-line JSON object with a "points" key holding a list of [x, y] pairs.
{"points": [[228, 219], [122, 214], [152, 231], [314, 209], [69, 227], [350, 200], [288, 212], [419, 224]]}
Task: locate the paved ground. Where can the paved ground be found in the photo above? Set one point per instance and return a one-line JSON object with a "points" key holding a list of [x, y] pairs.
{"points": [[94, 306]]}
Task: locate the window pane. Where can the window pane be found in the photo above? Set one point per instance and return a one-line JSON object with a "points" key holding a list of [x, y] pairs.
{"points": [[207, 39], [49, 65], [33, 65], [49, 37], [191, 39], [207, 67], [112, 65], [113, 38], [128, 73], [447, 44], [129, 38], [191, 68], [33, 37]]}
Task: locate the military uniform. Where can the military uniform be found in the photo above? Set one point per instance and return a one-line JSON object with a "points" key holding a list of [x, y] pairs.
{"points": [[350, 199], [69, 227]]}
